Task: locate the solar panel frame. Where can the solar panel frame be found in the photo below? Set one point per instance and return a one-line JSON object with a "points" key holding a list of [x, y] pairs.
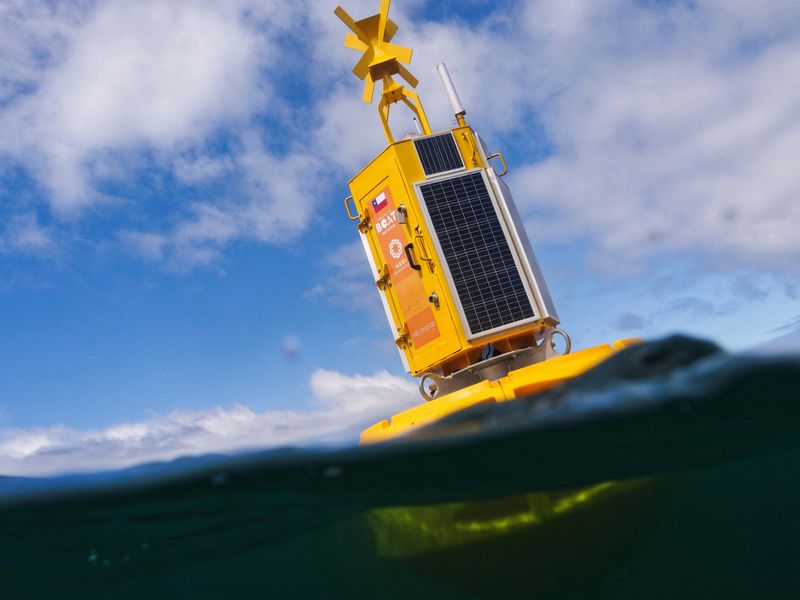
{"points": [[544, 301], [438, 154], [504, 239]]}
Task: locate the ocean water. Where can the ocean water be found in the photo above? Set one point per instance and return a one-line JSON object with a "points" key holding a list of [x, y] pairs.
{"points": [[670, 471]]}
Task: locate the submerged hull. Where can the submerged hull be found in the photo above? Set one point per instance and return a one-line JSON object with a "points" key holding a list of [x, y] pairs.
{"points": [[523, 544]]}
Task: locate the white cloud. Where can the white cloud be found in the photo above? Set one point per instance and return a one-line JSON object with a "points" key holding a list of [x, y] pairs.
{"points": [[34, 33], [271, 199], [23, 233], [127, 74], [360, 395], [670, 126], [202, 169], [346, 281], [153, 72], [149, 246], [343, 406], [127, 89]]}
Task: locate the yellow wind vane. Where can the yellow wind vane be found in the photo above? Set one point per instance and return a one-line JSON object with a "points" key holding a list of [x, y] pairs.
{"points": [[382, 60]]}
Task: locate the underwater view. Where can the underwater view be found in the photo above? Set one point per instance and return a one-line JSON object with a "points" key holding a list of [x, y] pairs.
{"points": [[669, 471]]}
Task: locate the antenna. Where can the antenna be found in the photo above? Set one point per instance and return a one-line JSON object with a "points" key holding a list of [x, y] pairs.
{"points": [[452, 95]]}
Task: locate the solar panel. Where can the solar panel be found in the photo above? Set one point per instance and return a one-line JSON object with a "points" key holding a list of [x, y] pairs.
{"points": [[438, 153], [477, 252]]}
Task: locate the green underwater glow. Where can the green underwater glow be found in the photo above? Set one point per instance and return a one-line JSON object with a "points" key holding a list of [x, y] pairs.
{"points": [[410, 530]]}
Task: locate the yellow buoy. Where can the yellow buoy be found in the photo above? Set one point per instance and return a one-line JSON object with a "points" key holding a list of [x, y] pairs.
{"points": [[465, 298]]}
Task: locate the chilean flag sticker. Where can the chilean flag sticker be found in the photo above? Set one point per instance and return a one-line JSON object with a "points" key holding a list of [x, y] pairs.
{"points": [[380, 202]]}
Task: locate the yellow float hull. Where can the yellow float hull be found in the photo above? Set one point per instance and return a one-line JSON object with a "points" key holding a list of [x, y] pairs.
{"points": [[537, 540], [521, 382]]}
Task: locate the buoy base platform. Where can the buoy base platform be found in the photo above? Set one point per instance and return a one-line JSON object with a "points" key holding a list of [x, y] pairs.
{"points": [[521, 382]]}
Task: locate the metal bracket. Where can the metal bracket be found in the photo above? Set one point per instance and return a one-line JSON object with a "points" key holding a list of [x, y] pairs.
{"points": [[383, 281], [467, 139], [404, 339], [364, 224], [496, 367], [441, 385]]}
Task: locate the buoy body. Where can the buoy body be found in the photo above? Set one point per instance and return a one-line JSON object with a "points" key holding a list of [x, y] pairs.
{"points": [[451, 259], [465, 299]]}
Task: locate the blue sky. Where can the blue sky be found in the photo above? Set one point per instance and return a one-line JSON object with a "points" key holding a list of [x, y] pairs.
{"points": [[177, 273]]}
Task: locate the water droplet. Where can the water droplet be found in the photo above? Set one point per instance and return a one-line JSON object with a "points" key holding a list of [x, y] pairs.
{"points": [[93, 556], [219, 479], [145, 546]]}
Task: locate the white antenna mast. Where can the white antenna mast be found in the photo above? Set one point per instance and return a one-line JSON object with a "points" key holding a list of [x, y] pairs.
{"points": [[452, 95]]}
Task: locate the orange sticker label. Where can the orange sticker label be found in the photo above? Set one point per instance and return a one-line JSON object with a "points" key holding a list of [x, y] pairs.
{"points": [[411, 295]]}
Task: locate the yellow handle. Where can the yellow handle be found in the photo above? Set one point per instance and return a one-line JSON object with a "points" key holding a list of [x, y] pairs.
{"points": [[423, 251], [347, 208], [502, 160]]}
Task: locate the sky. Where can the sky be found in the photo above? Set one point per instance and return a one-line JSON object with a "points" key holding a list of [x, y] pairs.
{"points": [[178, 275]]}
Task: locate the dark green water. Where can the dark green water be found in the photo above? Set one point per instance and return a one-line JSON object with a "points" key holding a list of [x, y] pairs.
{"points": [[671, 471]]}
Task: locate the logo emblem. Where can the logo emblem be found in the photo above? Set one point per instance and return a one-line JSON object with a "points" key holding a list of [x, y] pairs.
{"points": [[395, 248]]}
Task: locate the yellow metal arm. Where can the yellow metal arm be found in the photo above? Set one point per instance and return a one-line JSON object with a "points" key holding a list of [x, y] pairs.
{"points": [[381, 60]]}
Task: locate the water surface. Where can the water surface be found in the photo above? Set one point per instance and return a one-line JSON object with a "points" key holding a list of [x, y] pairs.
{"points": [[670, 471]]}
